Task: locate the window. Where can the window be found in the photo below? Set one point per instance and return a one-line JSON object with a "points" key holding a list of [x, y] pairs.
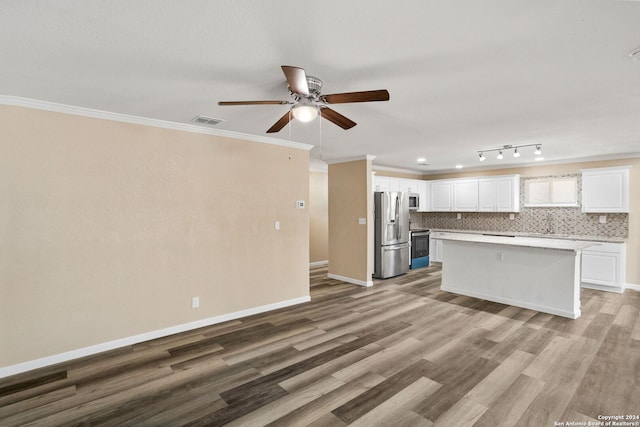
{"points": [[551, 192]]}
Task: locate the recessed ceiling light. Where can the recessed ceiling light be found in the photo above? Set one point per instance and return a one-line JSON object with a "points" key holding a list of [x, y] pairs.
{"points": [[459, 166], [421, 160]]}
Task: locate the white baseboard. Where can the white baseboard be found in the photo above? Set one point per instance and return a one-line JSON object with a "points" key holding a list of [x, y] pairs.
{"points": [[517, 303], [350, 280], [632, 286], [112, 345], [318, 263], [605, 288]]}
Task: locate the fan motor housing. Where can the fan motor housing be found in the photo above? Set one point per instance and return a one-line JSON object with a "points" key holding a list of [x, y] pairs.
{"points": [[315, 84]]}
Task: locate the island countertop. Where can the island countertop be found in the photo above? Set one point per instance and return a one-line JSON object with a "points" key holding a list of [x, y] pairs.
{"points": [[531, 242], [599, 239]]}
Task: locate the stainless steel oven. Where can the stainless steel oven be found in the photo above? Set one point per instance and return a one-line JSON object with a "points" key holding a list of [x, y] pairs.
{"points": [[419, 248]]}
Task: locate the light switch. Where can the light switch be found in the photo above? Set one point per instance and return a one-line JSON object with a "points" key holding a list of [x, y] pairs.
{"points": [[459, 216], [512, 216], [277, 225], [362, 221]]}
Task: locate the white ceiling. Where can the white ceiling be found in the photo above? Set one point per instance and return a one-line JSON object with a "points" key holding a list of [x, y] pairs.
{"points": [[463, 75]]}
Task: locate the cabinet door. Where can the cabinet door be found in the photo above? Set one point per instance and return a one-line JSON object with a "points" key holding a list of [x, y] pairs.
{"points": [[487, 195], [424, 190], [438, 250], [385, 183], [408, 185], [441, 196], [501, 194], [465, 195], [605, 190], [604, 265], [508, 198], [435, 248]]}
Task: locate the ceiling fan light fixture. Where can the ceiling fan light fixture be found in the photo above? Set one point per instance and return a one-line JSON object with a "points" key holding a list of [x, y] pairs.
{"points": [[482, 157], [304, 113], [500, 156], [538, 151]]}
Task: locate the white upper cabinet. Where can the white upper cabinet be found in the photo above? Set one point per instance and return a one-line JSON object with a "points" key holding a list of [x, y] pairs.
{"points": [[605, 189], [408, 185], [424, 190], [499, 194], [465, 195], [386, 183], [441, 196]]}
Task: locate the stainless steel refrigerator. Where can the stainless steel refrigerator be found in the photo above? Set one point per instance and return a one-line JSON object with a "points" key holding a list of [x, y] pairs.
{"points": [[391, 223]]}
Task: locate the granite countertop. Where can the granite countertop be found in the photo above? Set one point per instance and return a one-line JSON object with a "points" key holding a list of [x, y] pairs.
{"points": [[601, 239], [530, 242]]}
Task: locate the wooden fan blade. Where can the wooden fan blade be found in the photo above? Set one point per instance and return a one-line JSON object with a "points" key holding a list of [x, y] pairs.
{"points": [[337, 118], [281, 123], [297, 79], [252, 102], [366, 96]]}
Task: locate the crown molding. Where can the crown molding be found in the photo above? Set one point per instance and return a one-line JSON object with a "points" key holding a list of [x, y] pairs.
{"points": [[350, 159], [16, 101], [399, 170]]}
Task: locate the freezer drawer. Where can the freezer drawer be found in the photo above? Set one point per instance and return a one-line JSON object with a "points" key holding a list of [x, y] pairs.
{"points": [[392, 260]]}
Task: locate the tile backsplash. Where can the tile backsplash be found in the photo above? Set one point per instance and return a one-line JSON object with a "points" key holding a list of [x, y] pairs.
{"points": [[560, 220]]}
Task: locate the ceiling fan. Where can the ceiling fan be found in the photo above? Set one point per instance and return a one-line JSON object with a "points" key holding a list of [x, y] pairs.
{"points": [[307, 101]]}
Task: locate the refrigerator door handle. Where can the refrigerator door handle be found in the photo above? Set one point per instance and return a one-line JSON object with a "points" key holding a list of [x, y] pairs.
{"points": [[397, 218], [395, 247]]}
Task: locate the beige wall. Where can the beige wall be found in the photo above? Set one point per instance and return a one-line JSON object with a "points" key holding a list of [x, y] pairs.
{"points": [[108, 229], [318, 217], [633, 242], [350, 198]]}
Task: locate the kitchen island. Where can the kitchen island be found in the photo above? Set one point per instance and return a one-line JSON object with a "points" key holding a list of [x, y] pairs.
{"points": [[535, 273]]}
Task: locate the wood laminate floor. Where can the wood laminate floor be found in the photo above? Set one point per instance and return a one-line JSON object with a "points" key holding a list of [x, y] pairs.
{"points": [[402, 353]]}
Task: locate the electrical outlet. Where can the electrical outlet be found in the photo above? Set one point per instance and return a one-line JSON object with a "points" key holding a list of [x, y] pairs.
{"points": [[459, 216], [195, 302], [512, 216], [603, 219], [277, 225]]}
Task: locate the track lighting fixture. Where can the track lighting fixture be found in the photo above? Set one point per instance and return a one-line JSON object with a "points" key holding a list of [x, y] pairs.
{"points": [[515, 148]]}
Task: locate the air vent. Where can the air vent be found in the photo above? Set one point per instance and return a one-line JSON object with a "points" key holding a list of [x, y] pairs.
{"points": [[207, 121]]}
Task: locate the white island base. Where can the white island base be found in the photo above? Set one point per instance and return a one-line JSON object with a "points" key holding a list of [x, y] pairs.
{"points": [[538, 274]]}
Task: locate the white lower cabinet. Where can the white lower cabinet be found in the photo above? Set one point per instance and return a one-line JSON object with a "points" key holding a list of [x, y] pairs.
{"points": [[435, 247], [603, 267]]}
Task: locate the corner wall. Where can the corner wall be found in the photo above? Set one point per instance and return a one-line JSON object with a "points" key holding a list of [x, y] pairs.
{"points": [[318, 217], [108, 229], [351, 243]]}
